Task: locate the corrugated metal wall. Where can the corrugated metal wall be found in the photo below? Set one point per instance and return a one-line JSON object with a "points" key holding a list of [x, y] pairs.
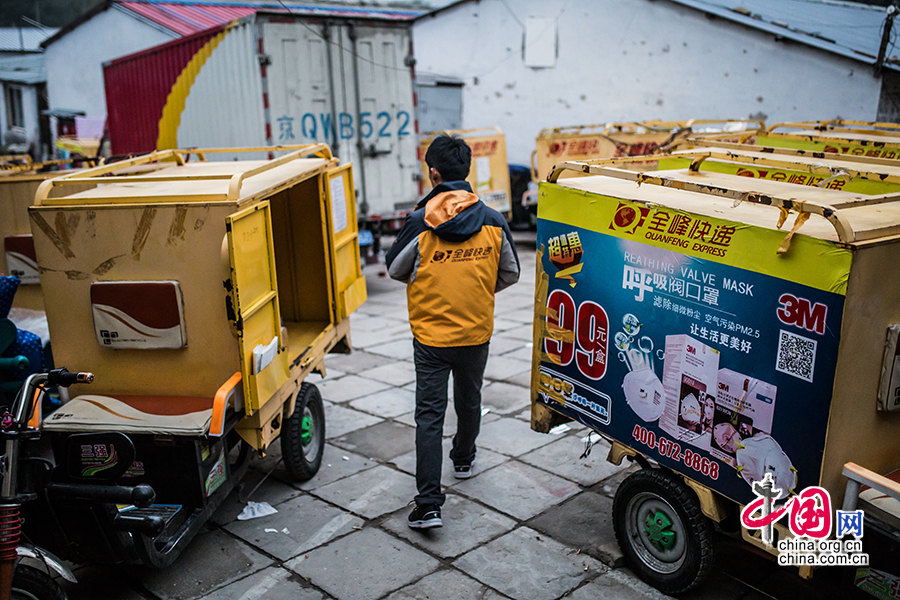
{"points": [[138, 86], [225, 106]]}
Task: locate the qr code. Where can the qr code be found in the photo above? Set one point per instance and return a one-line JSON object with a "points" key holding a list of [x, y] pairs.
{"points": [[796, 355]]}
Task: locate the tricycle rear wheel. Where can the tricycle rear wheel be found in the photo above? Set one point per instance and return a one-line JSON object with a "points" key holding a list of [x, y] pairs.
{"points": [[662, 531], [31, 584], [303, 434]]}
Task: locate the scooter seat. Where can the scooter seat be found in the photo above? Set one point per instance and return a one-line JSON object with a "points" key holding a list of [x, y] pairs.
{"points": [[879, 505], [161, 415]]}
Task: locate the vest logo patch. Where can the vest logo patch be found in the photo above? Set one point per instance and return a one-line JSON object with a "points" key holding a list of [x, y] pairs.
{"points": [[461, 255]]}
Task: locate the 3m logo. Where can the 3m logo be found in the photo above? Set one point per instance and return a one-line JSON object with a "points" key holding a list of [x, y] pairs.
{"points": [[628, 218]]}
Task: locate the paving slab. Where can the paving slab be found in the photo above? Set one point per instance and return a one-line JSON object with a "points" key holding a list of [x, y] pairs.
{"points": [[466, 525], [391, 402], [505, 398], [337, 463], [501, 345], [385, 440], [330, 374], [517, 297], [500, 367], [447, 583], [526, 564], [523, 415], [371, 493], [397, 373], [517, 489], [364, 565], [301, 524], [522, 315], [524, 352], [523, 332], [363, 322], [400, 349], [340, 420], [608, 486], [257, 486], [213, 559], [271, 584], [450, 420], [356, 361], [502, 324], [620, 584], [523, 379], [511, 436], [99, 581], [562, 458], [349, 387], [367, 339], [485, 459], [584, 522], [379, 309]]}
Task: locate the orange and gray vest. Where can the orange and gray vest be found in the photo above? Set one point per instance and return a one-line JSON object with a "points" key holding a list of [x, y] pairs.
{"points": [[454, 253]]}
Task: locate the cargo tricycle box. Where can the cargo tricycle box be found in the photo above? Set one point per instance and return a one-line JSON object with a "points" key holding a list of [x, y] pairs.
{"points": [[672, 311]]}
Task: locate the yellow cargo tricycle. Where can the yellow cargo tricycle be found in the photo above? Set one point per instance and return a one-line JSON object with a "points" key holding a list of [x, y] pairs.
{"points": [[733, 360], [201, 295]]}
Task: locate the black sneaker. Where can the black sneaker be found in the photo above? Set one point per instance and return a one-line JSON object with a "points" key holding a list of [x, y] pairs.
{"points": [[425, 517], [463, 471]]}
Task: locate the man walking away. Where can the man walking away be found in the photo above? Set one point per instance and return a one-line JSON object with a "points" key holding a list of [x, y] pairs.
{"points": [[454, 253]]}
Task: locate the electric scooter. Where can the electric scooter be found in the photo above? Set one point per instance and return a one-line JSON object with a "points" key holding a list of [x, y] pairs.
{"points": [[25, 569]]}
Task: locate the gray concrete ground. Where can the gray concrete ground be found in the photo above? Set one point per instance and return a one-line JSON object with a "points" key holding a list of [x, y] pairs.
{"points": [[534, 523]]}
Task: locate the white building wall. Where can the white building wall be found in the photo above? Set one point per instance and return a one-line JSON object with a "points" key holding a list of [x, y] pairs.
{"points": [[29, 113], [74, 62], [626, 60]]}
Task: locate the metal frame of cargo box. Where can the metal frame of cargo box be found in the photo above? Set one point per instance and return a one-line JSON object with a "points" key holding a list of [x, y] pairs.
{"points": [[664, 135], [857, 431], [819, 169], [860, 138], [203, 203]]}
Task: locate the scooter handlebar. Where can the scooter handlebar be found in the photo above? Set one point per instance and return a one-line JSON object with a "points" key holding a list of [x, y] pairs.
{"points": [[64, 378]]}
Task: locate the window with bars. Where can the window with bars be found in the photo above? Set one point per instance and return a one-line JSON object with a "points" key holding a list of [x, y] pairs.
{"points": [[15, 114]]}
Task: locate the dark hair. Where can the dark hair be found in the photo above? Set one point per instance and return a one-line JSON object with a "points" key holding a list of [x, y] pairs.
{"points": [[449, 156]]}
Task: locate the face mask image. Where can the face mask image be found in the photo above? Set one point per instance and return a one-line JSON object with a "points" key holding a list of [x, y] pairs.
{"points": [[761, 454], [690, 409], [644, 394], [727, 437]]}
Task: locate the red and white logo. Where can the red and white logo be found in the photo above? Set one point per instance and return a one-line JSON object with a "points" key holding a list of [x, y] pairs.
{"points": [[629, 217]]}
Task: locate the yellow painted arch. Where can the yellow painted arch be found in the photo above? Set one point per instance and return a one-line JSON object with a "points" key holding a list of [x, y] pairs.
{"points": [[175, 102]]}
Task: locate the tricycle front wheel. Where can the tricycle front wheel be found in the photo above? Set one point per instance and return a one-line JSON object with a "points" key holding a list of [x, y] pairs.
{"points": [[31, 584], [662, 531], [303, 434]]}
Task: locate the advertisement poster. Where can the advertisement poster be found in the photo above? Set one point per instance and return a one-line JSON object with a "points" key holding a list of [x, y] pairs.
{"points": [[689, 339]]}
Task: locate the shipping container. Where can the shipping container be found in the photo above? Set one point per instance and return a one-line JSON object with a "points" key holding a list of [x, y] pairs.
{"points": [[344, 78]]}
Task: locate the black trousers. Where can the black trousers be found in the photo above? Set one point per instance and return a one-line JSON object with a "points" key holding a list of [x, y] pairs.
{"points": [[433, 367]]}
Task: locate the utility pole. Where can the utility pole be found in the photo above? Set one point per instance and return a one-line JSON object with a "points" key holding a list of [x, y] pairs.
{"points": [[891, 13]]}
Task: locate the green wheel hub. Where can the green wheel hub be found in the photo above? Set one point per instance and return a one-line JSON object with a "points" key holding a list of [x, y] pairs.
{"points": [[657, 527], [306, 430]]}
